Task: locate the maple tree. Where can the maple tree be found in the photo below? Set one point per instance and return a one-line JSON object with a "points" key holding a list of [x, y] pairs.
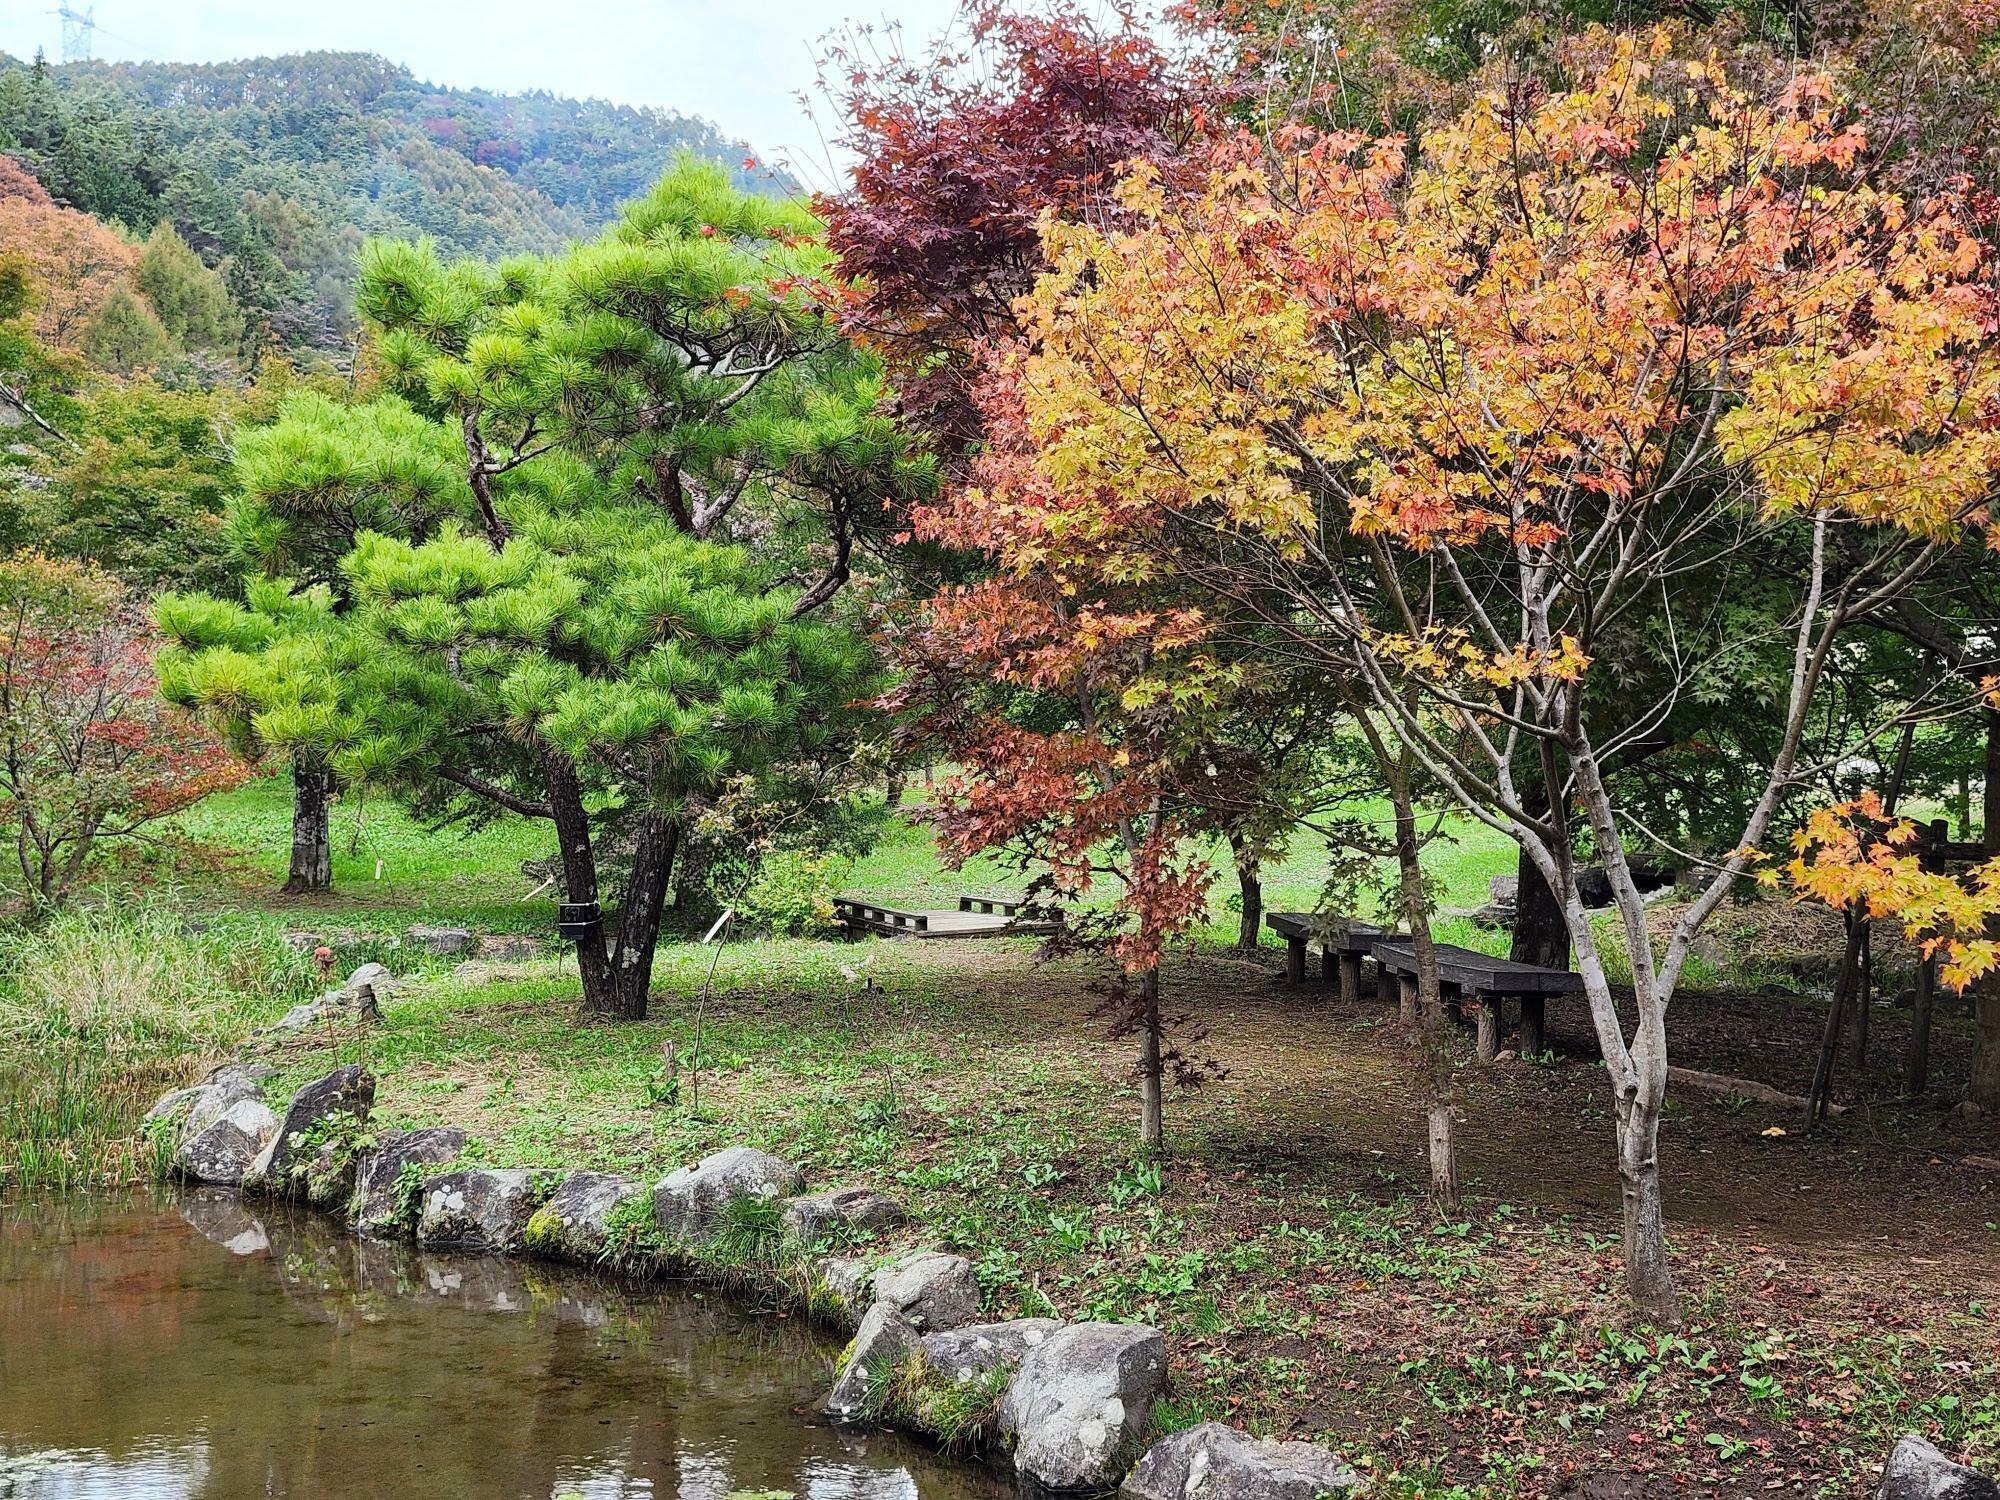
{"points": [[958, 153], [1859, 856], [75, 262], [89, 752], [1446, 422], [1073, 711]]}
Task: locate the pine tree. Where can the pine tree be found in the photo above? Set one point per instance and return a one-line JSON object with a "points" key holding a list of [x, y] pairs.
{"points": [[592, 544], [189, 299], [124, 336]]}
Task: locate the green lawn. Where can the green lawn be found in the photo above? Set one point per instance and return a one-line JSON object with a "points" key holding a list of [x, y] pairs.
{"points": [[389, 869], [387, 866]]}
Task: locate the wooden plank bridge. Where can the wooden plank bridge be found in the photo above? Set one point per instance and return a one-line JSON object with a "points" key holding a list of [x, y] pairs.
{"points": [[976, 917]]}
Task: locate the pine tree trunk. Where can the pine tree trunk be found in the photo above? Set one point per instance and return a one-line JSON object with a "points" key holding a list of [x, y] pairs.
{"points": [[1152, 1121], [1649, 1279], [312, 835], [639, 919], [579, 862]]}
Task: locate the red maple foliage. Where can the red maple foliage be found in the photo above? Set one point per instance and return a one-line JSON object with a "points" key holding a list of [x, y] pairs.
{"points": [[89, 752], [16, 181], [958, 154]]}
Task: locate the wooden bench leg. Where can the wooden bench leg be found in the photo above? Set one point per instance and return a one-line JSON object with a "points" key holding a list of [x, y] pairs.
{"points": [[1295, 960], [1328, 962], [1350, 978], [1452, 1003], [1534, 1031], [1489, 1027], [1406, 985], [1385, 985]]}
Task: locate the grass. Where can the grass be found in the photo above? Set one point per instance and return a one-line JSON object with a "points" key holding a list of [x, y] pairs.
{"points": [[1304, 1289], [387, 866], [106, 1008]]}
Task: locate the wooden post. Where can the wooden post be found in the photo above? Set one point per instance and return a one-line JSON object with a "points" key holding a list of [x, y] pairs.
{"points": [[1917, 1078], [1407, 986], [1350, 977], [1489, 1027], [1295, 960], [1534, 1029], [1385, 983]]}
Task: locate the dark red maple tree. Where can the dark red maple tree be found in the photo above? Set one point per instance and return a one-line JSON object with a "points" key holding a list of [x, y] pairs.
{"points": [[958, 152]]}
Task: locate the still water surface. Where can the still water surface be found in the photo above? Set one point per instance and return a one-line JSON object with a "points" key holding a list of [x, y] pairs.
{"points": [[184, 1348]]}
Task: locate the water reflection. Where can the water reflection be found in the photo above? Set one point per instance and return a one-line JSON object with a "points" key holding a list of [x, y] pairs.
{"points": [[194, 1349]]}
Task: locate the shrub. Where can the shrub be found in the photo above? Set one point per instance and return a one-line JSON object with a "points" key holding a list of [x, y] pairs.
{"points": [[791, 894]]}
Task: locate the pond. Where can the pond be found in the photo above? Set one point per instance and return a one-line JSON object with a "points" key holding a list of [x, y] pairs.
{"points": [[184, 1347]]}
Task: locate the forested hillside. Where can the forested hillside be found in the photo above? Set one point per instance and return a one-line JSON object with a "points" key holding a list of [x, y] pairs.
{"points": [[275, 169]]}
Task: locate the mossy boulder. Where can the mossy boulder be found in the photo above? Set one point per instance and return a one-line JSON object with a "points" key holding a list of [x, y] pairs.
{"points": [[576, 1224], [484, 1210]]}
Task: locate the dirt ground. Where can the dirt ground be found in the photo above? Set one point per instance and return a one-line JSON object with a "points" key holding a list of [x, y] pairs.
{"points": [[1832, 1249]]}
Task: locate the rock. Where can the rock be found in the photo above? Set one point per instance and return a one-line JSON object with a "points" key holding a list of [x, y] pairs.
{"points": [[506, 950], [442, 940], [1215, 1462], [574, 1223], [375, 976], [818, 1217], [327, 1180], [689, 1201], [316, 1111], [1593, 885], [1077, 1409], [223, 1150], [204, 1103], [218, 1214], [1503, 890], [847, 1279], [381, 1210], [963, 1354], [486, 1209], [882, 1345], [1918, 1471], [933, 1290]]}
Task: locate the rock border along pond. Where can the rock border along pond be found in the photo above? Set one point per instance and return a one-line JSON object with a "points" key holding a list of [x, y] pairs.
{"points": [[1068, 1404]]}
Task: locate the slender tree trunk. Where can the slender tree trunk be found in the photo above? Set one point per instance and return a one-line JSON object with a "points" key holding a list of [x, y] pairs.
{"points": [[639, 918], [312, 835], [1250, 894], [579, 862], [1152, 1119], [1986, 994], [1649, 1279], [1433, 1038]]}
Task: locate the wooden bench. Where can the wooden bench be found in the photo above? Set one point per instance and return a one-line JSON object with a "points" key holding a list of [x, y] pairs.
{"points": [[1488, 980], [1343, 941]]}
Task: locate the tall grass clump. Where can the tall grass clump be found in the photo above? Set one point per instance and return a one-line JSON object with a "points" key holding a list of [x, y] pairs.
{"points": [[103, 1009]]}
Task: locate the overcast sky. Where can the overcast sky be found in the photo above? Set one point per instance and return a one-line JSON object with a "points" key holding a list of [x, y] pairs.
{"points": [[739, 62]]}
